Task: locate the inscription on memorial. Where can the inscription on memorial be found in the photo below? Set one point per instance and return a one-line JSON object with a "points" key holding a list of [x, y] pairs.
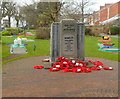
{"points": [[68, 41], [69, 27]]}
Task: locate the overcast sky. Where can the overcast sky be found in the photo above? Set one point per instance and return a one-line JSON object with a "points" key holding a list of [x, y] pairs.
{"points": [[102, 2], [96, 6]]}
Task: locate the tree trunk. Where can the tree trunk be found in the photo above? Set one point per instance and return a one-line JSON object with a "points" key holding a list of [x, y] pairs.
{"points": [[17, 23], [9, 21], [82, 10], [23, 27], [56, 18]]}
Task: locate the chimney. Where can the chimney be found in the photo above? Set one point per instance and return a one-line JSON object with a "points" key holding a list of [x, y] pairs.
{"points": [[101, 7]]}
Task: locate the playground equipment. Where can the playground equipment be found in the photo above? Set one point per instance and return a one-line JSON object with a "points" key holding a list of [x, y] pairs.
{"points": [[107, 47], [22, 38], [18, 47]]}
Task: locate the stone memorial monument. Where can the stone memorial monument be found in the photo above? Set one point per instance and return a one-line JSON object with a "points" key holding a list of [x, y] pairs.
{"points": [[67, 40]]}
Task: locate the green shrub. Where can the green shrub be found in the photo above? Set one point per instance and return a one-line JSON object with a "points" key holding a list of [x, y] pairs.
{"points": [[96, 31], [88, 31], [14, 31], [5, 33], [42, 33], [114, 30]]}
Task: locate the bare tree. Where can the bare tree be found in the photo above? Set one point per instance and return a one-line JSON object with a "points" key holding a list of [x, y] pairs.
{"points": [[0, 11], [77, 9], [50, 10], [84, 8], [30, 14], [69, 10], [43, 12], [8, 9]]}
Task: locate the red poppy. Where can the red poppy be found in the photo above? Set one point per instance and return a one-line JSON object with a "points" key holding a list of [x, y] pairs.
{"points": [[54, 69], [70, 70], [67, 70], [90, 61], [95, 68], [65, 64], [80, 63], [72, 63], [38, 67], [77, 69], [86, 69], [98, 63], [108, 68], [61, 58], [57, 65]]}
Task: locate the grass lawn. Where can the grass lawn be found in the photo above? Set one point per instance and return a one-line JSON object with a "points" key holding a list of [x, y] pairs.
{"points": [[43, 48], [91, 48]]}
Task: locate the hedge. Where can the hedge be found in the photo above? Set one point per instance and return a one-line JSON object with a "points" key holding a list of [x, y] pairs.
{"points": [[114, 30], [42, 33], [12, 31], [88, 31]]}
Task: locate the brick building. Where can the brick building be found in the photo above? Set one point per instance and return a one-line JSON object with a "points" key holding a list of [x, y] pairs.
{"points": [[107, 13]]}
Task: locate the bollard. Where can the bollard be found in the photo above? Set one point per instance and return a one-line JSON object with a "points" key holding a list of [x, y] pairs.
{"points": [[34, 47]]}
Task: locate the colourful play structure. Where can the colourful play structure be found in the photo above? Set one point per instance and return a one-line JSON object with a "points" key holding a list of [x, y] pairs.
{"points": [[23, 39], [18, 47], [107, 47]]}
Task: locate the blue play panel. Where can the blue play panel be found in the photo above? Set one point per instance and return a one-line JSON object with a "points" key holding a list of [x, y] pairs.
{"points": [[107, 48]]}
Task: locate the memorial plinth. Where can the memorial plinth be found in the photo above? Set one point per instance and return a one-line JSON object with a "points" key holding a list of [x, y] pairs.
{"points": [[67, 40]]}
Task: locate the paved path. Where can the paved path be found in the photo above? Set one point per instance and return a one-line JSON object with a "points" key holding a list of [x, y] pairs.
{"points": [[12, 56], [21, 80]]}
